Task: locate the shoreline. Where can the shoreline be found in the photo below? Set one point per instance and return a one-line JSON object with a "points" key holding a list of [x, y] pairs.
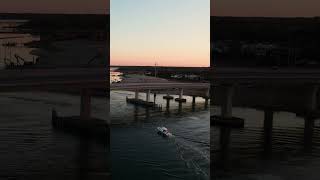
{"points": [[137, 78]]}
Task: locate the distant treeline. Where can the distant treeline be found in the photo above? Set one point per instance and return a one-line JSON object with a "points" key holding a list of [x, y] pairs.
{"points": [[163, 68], [166, 72], [265, 29]]}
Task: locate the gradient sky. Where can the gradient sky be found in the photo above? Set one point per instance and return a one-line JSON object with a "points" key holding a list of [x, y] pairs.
{"points": [[55, 6], [169, 32], [266, 8]]}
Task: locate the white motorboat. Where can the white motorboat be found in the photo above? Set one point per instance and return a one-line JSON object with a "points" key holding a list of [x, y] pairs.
{"points": [[163, 131]]}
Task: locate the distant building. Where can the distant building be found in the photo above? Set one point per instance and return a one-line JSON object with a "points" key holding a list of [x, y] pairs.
{"points": [[186, 76]]}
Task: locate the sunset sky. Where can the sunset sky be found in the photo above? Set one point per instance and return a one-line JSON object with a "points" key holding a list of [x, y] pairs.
{"points": [[266, 8], [169, 32], [55, 6]]}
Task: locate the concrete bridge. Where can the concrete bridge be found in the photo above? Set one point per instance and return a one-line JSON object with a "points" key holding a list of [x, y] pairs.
{"points": [[46, 79], [83, 80], [164, 87], [280, 89], [159, 86], [264, 75], [271, 90]]}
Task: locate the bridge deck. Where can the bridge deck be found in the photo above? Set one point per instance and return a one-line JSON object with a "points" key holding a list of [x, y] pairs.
{"points": [[42, 79], [158, 86], [256, 75]]}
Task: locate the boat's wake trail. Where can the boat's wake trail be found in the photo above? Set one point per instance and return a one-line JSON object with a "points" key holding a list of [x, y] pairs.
{"points": [[195, 154]]}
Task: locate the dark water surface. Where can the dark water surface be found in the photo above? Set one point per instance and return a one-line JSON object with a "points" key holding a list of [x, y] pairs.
{"points": [[31, 149], [138, 152], [288, 157]]}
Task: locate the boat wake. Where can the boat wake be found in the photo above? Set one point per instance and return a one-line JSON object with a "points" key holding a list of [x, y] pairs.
{"points": [[192, 153]]}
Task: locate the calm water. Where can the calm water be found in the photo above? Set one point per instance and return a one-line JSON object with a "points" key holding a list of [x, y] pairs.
{"points": [[289, 158], [138, 152], [31, 149], [8, 34]]}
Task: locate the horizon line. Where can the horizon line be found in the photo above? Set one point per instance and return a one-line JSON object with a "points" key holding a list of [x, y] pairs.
{"points": [[161, 66], [44, 13], [292, 17]]}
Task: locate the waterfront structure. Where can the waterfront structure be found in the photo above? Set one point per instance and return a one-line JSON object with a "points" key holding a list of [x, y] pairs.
{"points": [[83, 81], [290, 90]]}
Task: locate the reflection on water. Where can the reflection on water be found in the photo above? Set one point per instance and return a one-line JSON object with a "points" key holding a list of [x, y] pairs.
{"points": [[141, 153]]}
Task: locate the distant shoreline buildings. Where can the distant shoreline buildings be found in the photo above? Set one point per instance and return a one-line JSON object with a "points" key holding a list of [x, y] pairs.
{"points": [[255, 41]]}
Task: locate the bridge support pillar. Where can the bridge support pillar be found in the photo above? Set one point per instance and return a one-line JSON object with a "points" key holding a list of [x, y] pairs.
{"points": [[180, 108], [168, 104], [308, 132], [136, 94], [194, 100], [85, 109], [268, 120], [181, 99], [207, 93], [206, 103], [193, 103], [207, 97], [168, 98], [268, 125], [226, 109], [148, 96], [181, 93], [312, 102], [154, 98]]}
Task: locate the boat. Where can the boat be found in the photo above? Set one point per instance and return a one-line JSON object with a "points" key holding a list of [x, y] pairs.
{"points": [[163, 131]]}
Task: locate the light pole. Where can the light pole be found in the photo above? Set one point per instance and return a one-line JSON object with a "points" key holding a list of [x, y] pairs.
{"points": [[155, 69]]}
